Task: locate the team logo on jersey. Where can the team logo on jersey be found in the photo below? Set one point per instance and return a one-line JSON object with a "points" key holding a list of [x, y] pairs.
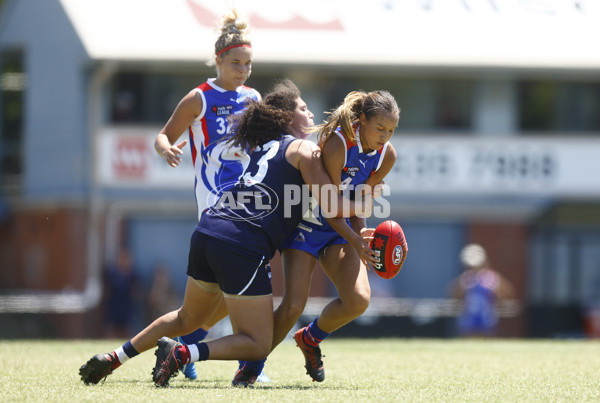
{"points": [[222, 110], [246, 201], [351, 171]]}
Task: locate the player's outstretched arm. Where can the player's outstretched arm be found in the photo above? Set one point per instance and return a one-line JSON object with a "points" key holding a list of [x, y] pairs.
{"points": [[188, 109]]}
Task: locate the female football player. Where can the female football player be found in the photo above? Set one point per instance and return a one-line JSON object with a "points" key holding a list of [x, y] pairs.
{"points": [[356, 150], [203, 113]]}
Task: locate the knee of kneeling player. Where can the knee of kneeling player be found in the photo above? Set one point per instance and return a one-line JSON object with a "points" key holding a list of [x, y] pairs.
{"points": [[260, 351]]}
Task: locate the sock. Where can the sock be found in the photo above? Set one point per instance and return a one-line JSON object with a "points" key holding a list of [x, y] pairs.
{"points": [[194, 337], [197, 352], [123, 353], [256, 366], [241, 364], [313, 335]]}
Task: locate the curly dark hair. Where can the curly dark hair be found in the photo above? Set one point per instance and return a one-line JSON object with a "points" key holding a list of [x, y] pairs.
{"points": [[266, 120]]}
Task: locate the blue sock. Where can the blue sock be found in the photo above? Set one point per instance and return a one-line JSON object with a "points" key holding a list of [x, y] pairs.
{"points": [[256, 366], [130, 350], [203, 350], [194, 337], [124, 353], [313, 335]]}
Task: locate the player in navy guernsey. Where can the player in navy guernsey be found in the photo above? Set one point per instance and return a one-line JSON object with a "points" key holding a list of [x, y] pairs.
{"points": [[230, 267], [254, 209]]}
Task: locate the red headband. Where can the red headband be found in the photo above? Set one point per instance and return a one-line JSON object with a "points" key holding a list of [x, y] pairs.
{"points": [[233, 46]]}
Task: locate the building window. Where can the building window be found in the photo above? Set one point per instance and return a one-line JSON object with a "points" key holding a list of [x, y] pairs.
{"points": [[149, 98], [429, 106], [561, 108], [13, 83]]}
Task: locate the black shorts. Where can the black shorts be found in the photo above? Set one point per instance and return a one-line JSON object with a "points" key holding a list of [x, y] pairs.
{"points": [[237, 271]]}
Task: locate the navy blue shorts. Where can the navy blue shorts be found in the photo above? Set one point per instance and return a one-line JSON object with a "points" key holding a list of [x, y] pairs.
{"points": [[237, 271]]}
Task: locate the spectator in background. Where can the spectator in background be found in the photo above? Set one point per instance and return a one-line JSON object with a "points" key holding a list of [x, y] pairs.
{"points": [[480, 288], [162, 297], [122, 291]]}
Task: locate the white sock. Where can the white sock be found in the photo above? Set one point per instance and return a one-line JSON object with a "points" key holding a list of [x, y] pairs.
{"points": [[121, 355], [194, 352]]}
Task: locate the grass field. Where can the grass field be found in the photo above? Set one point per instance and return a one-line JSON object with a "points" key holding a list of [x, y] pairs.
{"points": [[383, 370]]}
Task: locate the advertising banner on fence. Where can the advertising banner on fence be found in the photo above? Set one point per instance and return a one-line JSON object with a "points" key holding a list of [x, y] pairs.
{"points": [[457, 165], [126, 159]]}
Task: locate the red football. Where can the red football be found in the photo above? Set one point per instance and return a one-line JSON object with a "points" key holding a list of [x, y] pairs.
{"points": [[389, 240]]}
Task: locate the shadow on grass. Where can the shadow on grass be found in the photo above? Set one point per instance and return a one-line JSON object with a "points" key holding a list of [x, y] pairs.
{"points": [[221, 385]]}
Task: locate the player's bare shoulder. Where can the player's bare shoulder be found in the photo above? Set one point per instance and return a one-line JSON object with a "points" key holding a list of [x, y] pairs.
{"points": [[192, 103], [390, 152], [334, 146], [389, 158]]}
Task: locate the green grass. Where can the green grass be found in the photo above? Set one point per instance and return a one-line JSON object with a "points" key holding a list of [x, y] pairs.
{"points": [[384, 370]]}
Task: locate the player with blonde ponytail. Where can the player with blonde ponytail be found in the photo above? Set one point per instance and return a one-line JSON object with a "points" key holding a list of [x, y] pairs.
{"points": [[356, 151]]}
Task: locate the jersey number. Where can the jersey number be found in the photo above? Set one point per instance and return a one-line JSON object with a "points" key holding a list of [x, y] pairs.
{"points": [[270, 150], [345, 183], [222, 125]]}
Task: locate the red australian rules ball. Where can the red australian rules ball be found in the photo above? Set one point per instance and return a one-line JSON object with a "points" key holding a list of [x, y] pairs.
{"points": [[389, 240]]}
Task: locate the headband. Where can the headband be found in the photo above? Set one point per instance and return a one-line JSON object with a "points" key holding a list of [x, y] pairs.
{"points": [[233, 46]]}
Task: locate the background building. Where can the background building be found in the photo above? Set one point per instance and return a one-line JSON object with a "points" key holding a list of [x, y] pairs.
{"points": [[498, 143]]}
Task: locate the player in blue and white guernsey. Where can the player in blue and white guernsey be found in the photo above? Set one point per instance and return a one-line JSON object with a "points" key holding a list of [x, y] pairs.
{"points": [[217, 165], [204, 111], [356, 151], [203, 114], [481, 288]]}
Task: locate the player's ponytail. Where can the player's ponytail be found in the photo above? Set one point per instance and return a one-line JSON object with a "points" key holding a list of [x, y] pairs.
{"points": [[344, 116], [234, 32]]}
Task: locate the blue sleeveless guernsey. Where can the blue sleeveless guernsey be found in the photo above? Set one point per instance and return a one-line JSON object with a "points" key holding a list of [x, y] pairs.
{"points": [[314, 234], [257, 214], [216, 165], [358, 166]]}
